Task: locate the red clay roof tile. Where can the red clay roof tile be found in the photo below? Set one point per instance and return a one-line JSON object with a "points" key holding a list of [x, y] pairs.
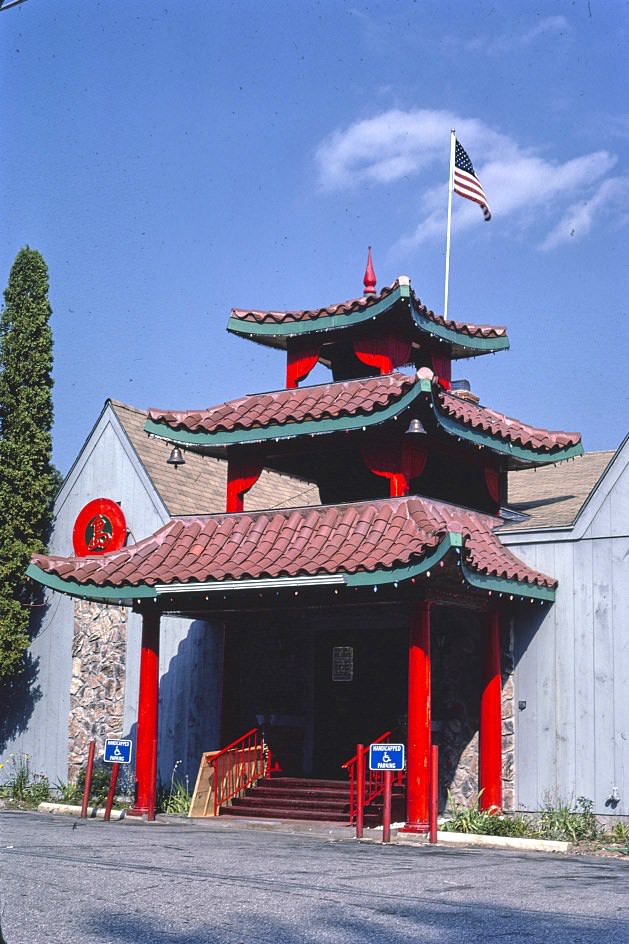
{"points": [[320, 540], [497, 424], [353, 398], [356, 305], [302, 404]]}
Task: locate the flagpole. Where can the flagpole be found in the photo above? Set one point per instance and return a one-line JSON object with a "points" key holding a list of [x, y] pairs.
{"points": [[450, 189]]}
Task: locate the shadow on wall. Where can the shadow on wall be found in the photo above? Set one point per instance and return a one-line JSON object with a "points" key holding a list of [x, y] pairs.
{"points": [[188, 702], [20, 693], [18, 697]]}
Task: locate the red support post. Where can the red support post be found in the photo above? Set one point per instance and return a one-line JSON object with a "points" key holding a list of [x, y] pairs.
{"points": [[434, 791], [490, 735], [112, 790], [146, 734], [87, 787], [419, 731], [360, 790]]}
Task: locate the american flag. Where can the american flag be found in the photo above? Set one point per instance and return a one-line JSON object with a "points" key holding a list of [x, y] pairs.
{"points": [[466, 183]]}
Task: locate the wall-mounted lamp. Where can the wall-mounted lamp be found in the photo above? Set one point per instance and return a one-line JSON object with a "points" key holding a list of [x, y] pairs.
{"points": [[176, 457]]}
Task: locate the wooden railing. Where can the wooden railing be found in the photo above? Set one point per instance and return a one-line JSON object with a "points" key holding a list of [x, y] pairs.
{"points": [[237, 766], [373, 779]]}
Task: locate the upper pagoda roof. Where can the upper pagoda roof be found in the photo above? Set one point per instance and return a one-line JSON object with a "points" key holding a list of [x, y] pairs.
{"points": [[360, 544], [359, 404], [274, 328]]}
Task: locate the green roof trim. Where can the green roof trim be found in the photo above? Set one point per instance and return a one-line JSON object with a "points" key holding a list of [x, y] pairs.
{"points": [[90, 591], [483, 438], [453, 539], [505, 585], [324, 323], [459, 338], [267, 330], [286, 430]]}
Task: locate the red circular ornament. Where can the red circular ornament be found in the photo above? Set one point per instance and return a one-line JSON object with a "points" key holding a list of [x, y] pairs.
{"points": [[99, 527]]}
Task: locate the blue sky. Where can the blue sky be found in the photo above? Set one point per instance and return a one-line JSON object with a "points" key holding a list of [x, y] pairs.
{"points": [[174, 159]]}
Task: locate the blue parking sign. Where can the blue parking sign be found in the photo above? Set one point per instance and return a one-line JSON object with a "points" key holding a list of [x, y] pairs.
{"points": [[386, 757], [117, 751]]}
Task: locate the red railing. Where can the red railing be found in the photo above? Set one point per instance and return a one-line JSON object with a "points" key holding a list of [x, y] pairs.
{"points": [[239, 765], [373, 779]]}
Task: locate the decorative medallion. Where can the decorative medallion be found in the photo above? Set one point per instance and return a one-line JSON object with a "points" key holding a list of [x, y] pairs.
{"points": [[100, 527]]}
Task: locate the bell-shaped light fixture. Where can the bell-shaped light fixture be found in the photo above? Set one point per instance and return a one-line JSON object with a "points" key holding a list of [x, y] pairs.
{"points": [[176, 457], [416, 428]]}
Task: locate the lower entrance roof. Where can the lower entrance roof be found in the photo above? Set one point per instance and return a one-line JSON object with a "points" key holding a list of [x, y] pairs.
{"points": [[388, 541]]}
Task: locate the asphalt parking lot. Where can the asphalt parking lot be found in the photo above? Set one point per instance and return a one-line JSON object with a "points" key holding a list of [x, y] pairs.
{"points": [[65, 881]]}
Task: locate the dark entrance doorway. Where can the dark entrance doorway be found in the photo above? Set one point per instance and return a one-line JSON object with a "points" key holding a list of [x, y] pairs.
{"points": [[315, 691], [360, 691]]}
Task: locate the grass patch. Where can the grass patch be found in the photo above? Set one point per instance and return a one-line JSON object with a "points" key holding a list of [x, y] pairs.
{"points": [[561, 821]]}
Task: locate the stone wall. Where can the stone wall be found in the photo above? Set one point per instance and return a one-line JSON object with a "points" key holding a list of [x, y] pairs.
{"points": [[98, 679], [508, 729], [458, 653]]}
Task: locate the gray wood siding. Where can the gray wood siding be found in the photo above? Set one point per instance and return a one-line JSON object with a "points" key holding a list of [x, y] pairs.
{"points": [[572, 669], [191, 651]]}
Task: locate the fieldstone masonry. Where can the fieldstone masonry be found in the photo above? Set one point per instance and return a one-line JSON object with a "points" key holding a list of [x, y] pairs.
{"points": [[458, 656], [98, 679], [508, 727]]}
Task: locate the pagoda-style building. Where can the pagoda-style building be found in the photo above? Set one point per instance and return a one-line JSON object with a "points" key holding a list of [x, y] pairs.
{"points": [[386, 607]]}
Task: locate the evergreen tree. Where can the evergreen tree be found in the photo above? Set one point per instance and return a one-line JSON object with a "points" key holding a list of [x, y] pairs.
{"points": [[26, 475]]}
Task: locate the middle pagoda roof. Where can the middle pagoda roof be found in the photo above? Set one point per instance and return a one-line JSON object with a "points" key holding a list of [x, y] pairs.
{"points": [[358, 405], [397, 305]]}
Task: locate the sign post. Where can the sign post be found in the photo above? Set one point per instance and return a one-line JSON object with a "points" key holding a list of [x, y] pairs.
{"points": [[117, 751], [386, 758]]}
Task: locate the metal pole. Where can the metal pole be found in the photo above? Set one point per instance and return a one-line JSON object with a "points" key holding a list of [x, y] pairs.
{"points": [[88, 779], [112, 789], [434, 791], [150, 814], [449, 227], [386, 810], [360, 789]]}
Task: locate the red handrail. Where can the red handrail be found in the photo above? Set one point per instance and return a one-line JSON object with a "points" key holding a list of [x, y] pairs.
{"points": [[374, 779], [239, 765]]}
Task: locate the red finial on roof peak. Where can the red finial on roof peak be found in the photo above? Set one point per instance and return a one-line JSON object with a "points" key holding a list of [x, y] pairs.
{"points": [[369, 280]]}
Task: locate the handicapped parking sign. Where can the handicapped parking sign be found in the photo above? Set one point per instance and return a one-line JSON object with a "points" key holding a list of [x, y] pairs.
{"points": [[386, 757], [117, 751]]}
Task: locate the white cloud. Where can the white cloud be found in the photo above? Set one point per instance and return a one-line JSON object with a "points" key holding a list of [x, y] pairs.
{"points": [[520, 184], [502, 43], [550, 24], [579, 217]]}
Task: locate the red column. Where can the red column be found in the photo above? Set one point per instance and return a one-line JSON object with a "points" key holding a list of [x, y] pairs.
{"points": [[490, 735], [419, 733], [146, 733]]}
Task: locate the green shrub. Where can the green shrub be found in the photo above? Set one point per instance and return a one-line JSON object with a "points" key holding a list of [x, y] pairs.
{"points": [[483, 822], [568, 824], [101, 778], [21, 784]]}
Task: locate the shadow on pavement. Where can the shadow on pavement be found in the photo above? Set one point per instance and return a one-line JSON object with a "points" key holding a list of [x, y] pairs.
{"points": [[381, 923]]}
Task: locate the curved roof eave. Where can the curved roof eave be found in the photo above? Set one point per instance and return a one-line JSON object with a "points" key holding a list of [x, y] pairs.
{"points": [[276, 333], [452, 541], [518, 455]]}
